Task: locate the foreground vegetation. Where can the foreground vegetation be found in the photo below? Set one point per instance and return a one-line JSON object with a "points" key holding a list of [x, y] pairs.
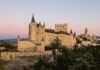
{"points": [[2, 65], [84, 58]]}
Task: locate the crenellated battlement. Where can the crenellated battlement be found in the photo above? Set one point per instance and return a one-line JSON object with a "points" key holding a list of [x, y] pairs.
{"points": [[61, 27]]}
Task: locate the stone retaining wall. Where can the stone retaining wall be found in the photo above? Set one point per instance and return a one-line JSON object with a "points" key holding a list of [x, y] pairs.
{"points": [[13, 55]]}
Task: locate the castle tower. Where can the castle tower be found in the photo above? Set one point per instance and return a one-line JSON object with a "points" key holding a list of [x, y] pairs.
{"points": [[40, 32], [18, 38], [71, 32], [61, 27], [94, 38], [86, 31], [74, 34], [33, 19], [44, 24], [33, 30], [29, 31]]}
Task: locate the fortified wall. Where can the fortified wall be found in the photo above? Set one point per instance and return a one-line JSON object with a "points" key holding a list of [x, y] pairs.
{"points": [[14, 55]]}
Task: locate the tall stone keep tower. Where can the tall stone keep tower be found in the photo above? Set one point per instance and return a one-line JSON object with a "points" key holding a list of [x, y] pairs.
{"points": [[61, 27], [40, 33], [33, 30], [36, 31]]}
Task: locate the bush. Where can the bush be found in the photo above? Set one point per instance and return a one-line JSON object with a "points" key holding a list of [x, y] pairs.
{"points": [[84, 58], [98, 41], [2, 65]]}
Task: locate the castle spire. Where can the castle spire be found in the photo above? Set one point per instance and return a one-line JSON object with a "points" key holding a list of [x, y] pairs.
{"points": [[71, 32], [33, 19], [74, 34], [44, 24], [86, 30], [18, 38]]}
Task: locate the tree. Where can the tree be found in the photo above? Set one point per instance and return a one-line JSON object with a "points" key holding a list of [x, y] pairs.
{"points": [[83, 58], [2, 65]]}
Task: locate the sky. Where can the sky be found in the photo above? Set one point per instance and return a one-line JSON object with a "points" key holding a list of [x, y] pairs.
{"points": [[15, 15]]}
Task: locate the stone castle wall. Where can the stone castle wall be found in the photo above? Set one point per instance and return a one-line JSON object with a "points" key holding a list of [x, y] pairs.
{"points": [[49, 37], [26, 45], [66, 40], [14, 55]]}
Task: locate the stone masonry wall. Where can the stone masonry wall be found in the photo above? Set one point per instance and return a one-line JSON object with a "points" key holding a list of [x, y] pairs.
{"points": [[13, 55]]}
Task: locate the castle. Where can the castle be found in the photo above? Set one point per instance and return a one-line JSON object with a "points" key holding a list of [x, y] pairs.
{"points": [[39, 37]]}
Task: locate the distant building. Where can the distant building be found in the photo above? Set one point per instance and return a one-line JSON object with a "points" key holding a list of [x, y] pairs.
{"points": [[39, 37], [86, 39]]}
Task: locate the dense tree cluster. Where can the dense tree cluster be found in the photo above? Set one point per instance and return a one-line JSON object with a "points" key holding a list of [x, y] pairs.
{"points": [[84, 58], [2, 65], [98, 41]]}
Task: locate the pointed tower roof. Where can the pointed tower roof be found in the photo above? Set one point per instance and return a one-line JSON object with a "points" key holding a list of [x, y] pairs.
{"points": [[71, 32], [74, 34], [18, 38], [44, 24], [33, 19], [86, 30]]}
